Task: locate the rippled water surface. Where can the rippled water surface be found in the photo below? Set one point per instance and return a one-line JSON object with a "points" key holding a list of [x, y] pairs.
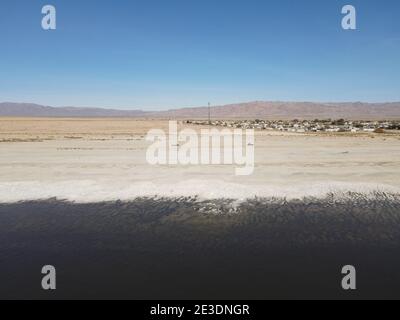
{"points": [[184, 248]]}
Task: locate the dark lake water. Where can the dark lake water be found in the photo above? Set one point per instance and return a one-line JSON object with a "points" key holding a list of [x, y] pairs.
{"points": [[189, 249]]}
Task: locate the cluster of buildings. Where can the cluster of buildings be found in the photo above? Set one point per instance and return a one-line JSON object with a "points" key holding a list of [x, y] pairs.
{"points": [[303, 126]]}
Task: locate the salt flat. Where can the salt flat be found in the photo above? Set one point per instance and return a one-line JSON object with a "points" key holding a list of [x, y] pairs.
{"points": [[87, 160]]}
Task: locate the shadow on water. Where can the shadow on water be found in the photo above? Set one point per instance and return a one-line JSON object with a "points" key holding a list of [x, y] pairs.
{"points": [[188, 249]]}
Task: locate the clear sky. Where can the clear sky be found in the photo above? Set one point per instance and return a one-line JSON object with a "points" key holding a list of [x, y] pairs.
{"points": [[176, 53]]}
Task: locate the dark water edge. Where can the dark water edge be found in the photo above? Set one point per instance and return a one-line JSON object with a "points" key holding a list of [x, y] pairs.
{"points": [[187, 249]]}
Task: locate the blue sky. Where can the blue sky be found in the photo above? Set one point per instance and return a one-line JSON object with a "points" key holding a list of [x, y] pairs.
{"points": [[164, 54]]}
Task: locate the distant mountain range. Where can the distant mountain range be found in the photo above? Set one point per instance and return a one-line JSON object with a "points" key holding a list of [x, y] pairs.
{"points": [[250, 110], [8, 109]]}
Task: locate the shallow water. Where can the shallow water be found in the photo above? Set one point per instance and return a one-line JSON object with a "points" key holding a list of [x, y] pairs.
{"points": [[184, 248]]}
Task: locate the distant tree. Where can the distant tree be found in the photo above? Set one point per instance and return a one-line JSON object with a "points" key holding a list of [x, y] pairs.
{"points": [[339, 122]]}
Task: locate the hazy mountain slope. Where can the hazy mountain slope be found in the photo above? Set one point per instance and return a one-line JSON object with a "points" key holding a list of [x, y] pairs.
{"points": [[34, 110], [250, 110], [291, 110]]}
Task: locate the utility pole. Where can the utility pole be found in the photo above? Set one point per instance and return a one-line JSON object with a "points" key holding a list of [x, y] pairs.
{"points": [[209, 114]]}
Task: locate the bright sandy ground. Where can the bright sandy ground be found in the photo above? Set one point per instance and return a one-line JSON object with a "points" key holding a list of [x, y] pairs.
{"points": [[105, 159]]}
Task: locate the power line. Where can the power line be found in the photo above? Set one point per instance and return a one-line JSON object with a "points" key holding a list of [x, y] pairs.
{"points": [[209, 114]]}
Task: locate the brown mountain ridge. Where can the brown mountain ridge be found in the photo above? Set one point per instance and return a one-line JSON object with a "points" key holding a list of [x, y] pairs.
{"points": [[249, 110]]}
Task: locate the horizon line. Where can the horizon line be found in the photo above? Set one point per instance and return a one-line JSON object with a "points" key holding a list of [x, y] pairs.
{"points": [[198, 106]]}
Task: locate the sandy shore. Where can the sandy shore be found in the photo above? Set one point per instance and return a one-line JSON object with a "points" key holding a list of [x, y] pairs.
{"points": [[87, 160]]}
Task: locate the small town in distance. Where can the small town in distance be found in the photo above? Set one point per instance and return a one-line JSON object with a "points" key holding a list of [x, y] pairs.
{"points": [[304, 126]]}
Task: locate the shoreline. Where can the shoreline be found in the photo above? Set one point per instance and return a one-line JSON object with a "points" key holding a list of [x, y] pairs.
{"points": [[93, 191]]}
